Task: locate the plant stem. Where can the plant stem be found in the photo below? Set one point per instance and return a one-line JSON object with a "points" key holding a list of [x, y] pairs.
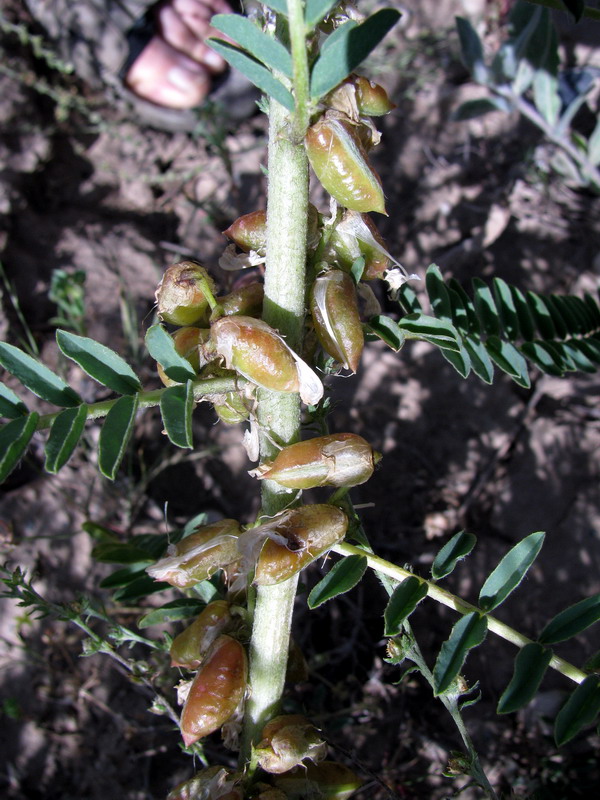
{"points": [[278, 413], [452, 601]]}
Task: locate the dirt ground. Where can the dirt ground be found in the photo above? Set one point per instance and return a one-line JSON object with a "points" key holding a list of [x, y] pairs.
{"points": [[85, 186]]}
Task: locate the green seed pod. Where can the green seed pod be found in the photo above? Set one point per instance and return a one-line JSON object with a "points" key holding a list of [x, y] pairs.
{"points": [[233, 410], [287, 741], [249, 232], [307, 533], [248, 301], [339, 459], [354, 236], [325, 780], [338, 157], [258, 352], [371, 98], [189, 343], [199, 555], [216, 691], [191, 645], [180, 297], [334, 309]]}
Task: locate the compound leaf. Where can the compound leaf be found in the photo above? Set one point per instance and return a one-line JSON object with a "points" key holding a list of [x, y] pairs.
{"points": [[572, 620], [405, 598], [100, 362], [65, 432], [530, 665], [37, 377], [468, 632], [342, 577], [115, 433], [510, 571]]}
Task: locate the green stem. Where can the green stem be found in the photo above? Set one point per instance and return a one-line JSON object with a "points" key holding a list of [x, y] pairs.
{"points": [[300, 68], [278, 413], [380, 565]]}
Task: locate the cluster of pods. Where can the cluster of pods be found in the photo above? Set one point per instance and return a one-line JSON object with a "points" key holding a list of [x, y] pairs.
{"points": [[224, 335]]}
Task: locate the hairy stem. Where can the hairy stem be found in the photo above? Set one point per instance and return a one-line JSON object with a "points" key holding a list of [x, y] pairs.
{"points": [[380, 565]]}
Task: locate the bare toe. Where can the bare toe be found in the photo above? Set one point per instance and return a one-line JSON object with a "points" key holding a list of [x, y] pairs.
{"points": [[166, 77], [177, 33]]}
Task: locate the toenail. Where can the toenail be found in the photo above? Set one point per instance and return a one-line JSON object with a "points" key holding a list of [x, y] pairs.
{"points": [[180, 78]]}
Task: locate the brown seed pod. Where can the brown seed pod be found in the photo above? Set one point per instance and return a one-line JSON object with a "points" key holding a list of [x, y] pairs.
{"points": [[287, 741], [216, 691], [189, 648], [339, 459], [199, 555], [334, 309], [297, 537]]}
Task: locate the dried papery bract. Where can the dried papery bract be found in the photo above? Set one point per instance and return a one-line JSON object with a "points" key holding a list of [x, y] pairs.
{"points": [[199, 555], [325, 780], [259, 353], [181, 298], [216, 691], [296, 538], [334, 309], [189, 648], [338, 157], [339, 459], [287, 741]]}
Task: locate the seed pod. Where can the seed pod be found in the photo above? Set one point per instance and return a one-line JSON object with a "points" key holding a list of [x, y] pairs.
{"points": [[338, 459], [248, 301], [334, 309], [340, 162], [233, 409], [180, 297], [307, 533], [371, 98], [249, 232], [325, 780], [354, 236], [191, 645], [216, 691], [213, 783], [199, 555], [287, 741], [189, 343], [258, 352]]}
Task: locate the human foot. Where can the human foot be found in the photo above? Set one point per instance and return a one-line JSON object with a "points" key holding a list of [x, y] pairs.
{"points": [[175, 69]]}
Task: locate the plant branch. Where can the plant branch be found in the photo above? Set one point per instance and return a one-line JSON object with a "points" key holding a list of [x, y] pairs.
{"points": [[452, 601]]}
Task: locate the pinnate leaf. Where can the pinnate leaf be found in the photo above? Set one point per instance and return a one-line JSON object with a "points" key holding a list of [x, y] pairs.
{"points": [[581, 709], [468, 632], [572, 620], [176, 407], [14, 438], [115, 433], [100, 362], [530, 665], [459, 546], [405, 598], [65, 432], [341, 578], [510, 571], [37, 377]]}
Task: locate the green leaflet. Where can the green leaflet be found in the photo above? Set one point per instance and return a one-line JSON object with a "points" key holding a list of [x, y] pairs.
{"points": [[176, 610], [115, 433], [430, 329], [469, 632], [176, 407], [510, 571], [316, 10], [471, 50], [459, 546], [14, 438], [508, 358], [581, 709], [255, 71], [65, 432], [11, 405], [387, 330], [256, 42], [36, 377], [486, 307], [162, 349], [439, 296], [405, 598], [347, 48], [572, 620], [342, 577], [506, 306], [530, 665], [100, 362]]}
